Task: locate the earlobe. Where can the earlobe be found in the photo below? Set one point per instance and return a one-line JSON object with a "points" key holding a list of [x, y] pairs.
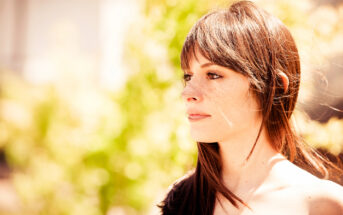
{"points": [[285, 81]]}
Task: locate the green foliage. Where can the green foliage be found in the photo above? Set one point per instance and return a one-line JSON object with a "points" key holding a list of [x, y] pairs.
{"points": [[85, 157]]}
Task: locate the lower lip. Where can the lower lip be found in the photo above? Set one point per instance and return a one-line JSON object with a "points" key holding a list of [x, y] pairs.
{"points": [[197, 117]]}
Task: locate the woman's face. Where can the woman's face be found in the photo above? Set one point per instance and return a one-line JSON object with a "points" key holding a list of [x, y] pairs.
{"points": [[218, 101]]}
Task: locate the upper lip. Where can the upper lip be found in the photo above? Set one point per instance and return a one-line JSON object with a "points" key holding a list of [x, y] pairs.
{"points": [[196, 112]]}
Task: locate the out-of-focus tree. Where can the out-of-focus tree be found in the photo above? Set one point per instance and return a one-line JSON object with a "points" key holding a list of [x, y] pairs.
{"points": [[76, 149]]}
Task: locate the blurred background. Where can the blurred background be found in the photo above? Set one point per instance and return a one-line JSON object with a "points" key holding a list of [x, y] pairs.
{"points": [[91, 119]]}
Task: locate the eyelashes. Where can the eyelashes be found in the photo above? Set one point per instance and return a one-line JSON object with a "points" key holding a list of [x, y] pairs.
{"points": [[186, 77], [210, 75], [213, 76]]}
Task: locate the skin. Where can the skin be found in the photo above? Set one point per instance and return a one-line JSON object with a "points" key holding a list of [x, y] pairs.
{"points": [[267, 182]]}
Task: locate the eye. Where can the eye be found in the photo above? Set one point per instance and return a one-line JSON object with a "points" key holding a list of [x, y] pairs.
{"points": [[187, 77], [212, 75]]}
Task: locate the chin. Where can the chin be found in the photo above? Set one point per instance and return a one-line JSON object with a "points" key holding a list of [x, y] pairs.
{"points": [[202, 137]]}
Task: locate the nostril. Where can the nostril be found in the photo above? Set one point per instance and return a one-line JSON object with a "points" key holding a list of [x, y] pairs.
{"points": [[191, 95], [191, 99]]}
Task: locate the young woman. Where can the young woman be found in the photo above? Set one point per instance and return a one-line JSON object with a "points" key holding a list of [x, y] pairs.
{"points": [[242, 76]]}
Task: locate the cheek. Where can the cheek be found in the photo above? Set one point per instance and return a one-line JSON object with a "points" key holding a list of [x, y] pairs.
{"points": [[234, 109], [240, 107], [228, 119], [227, 103]]}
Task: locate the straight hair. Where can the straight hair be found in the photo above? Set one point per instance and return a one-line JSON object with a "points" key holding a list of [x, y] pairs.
{"points": [[248, 40]]}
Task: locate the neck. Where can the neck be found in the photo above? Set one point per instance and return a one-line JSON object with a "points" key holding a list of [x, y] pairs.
{"points": [[245, 176]]}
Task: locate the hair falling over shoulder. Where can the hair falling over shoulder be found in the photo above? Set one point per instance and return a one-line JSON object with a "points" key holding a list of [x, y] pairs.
{"points": [[250, 41]]}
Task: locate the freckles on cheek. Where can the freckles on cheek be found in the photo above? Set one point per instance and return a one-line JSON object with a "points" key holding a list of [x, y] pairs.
{"points": [[225, 95]]}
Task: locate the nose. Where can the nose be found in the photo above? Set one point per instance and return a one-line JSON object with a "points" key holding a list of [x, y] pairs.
{"points": [[191, 94]]}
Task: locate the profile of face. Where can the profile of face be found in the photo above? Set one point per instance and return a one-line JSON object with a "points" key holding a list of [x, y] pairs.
{"points": [[219, 103]]}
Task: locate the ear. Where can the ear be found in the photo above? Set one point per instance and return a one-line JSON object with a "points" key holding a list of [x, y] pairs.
{"points": [[285, 81]]}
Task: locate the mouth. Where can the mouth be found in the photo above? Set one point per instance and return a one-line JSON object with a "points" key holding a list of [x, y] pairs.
{"points": [[197, 117]]}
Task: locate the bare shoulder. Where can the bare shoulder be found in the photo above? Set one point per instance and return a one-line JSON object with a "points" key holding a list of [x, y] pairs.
{"points": [[326, 198], [318, 195]]}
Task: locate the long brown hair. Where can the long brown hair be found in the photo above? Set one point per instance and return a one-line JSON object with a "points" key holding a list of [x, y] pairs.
{"points": [[250, 41]]}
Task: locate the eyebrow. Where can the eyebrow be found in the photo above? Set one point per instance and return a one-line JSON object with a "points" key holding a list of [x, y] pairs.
{"points": [[207, 64], [202, 66]]}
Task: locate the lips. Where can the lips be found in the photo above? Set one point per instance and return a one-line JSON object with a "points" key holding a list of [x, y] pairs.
{"points": [[194, 115], [197, 116]]}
